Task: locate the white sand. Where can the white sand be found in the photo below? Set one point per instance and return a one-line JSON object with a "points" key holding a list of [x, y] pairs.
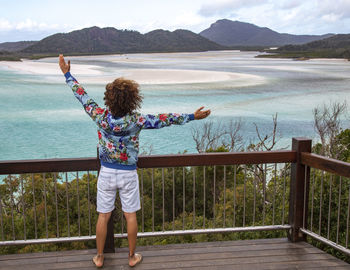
{"points": [[177, 76], [94, 74], [40, 68]]}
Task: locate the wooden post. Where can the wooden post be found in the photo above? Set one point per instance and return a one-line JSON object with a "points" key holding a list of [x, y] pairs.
{"points": [[109, 244], [297, 188]]}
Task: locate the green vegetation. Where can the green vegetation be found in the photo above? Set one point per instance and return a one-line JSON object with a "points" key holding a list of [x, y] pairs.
{"points": [[97, 40], [100, 41], [340, 53], [337, 46], [15, 46], [9, 56], [212, 215], [210, 197]]}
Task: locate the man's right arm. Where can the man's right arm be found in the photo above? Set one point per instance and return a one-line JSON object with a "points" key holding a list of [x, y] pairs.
{"points": [[90, 106]]}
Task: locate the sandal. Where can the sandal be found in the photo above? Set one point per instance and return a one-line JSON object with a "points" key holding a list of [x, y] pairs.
{"points": [[95, 258], [138, 257]]}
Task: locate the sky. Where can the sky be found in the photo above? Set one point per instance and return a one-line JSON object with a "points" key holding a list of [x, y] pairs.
{"points": [[36, 19]]}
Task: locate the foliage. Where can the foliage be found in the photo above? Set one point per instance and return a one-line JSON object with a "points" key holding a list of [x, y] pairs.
{"points": [[327, 122], [15, 46], [60, 205], [110, 40], [337, 46], [199, 194]]}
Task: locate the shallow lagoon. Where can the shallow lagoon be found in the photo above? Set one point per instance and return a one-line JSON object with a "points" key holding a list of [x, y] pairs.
{"points": [[40, 118]]}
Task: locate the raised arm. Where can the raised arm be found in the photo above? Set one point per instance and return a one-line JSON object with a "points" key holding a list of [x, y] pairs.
{"points": [[90, 106], [150, 121]]}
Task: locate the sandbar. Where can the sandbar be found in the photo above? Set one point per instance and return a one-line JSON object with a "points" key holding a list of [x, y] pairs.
{"points": [[40, 68], [95, 74]]}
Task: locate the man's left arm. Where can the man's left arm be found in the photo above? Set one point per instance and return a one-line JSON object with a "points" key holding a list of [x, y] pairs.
{"points": [[90, 106]]}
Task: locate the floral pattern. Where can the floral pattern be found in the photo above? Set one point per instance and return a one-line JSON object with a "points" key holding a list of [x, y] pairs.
{"points": [[119, 137]]}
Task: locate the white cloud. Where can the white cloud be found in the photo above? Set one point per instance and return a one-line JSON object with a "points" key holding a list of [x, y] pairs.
{"points": [[341, 8], [224, 7], [28, 25], [332, 18], [5, 25], [289, 4]]}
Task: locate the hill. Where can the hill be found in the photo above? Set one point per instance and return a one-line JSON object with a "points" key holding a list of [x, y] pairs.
{"points": [[15, 46], [181, 40], [337, 46], [235, 33], [95, 40], [341, 41]]}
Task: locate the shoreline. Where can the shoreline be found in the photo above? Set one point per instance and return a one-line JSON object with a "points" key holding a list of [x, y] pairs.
{"points": [[96, 74]]}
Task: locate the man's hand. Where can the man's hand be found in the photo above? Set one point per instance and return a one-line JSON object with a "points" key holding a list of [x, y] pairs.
{"points": [[199, 114], [64, 67]]}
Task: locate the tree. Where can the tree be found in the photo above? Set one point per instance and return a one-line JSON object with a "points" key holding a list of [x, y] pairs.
{"points": [[327, 122], [208, 137]]}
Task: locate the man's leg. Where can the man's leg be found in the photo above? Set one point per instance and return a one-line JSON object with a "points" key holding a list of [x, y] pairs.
{"points": [[101, 232], [132, 236]]}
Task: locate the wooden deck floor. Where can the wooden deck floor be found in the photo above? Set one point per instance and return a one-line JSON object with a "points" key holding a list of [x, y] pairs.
{"points": [[246, 254]]}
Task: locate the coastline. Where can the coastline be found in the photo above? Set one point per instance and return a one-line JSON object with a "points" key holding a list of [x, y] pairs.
{"points": [[95, 74]]}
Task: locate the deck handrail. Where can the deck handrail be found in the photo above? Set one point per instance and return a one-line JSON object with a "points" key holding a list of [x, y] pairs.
{"points": [[327, 164], [300, 158], [337, 171], [152, 161]]}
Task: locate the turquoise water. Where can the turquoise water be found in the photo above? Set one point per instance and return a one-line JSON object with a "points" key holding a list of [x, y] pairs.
{"points": [[40, 118]]}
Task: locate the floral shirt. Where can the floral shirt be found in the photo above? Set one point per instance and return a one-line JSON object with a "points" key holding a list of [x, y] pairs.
{"points": [[118, 138]]}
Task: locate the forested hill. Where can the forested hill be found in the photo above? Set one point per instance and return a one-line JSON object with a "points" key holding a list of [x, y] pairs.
{"points": [[341, 41], [97, 40], [15, 46], [337, 46], [236, 33]]}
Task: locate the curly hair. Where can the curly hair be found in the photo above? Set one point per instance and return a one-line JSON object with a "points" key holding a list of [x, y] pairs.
{"points": [[122, 97]]}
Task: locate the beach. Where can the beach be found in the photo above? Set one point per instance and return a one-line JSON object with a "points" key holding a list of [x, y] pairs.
{"points": [[95, 74]]}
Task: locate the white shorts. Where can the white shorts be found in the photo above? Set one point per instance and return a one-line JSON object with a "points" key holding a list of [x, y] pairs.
{"points": [[127, 182]]}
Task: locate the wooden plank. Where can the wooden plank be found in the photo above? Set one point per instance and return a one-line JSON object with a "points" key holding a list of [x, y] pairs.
{"points": [[207, 159], [155, 257], [299, 190], [159, 247], [48, 165], [156, 161], [326, 164], [309, 259], [294, 265], [244, 254], [314, 260], [173, 255], [337, 267]]}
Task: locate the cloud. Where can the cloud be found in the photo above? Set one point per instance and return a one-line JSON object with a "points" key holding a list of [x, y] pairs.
{"points": [[224, 7], [331, 17], [28, 25], [289, 4], [5, 25], [31, 25], [330, 9]]}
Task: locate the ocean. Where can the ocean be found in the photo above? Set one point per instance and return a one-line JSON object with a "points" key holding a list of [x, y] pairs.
{"points": [[40, 118]]}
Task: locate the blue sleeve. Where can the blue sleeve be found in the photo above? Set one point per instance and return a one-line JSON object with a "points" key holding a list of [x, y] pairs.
{"points": [[150, 121], [90, 106]]}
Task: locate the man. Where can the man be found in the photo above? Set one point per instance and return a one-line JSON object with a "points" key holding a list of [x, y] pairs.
{"points": [[119, 126]]}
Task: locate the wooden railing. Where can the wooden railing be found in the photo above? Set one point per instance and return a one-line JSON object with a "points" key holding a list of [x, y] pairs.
{"points": [[251, 165]]}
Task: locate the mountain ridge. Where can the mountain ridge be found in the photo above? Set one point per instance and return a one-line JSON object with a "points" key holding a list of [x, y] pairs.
{"points": [[235, 33], [337, 46], [111, 40], [15, 46]]}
